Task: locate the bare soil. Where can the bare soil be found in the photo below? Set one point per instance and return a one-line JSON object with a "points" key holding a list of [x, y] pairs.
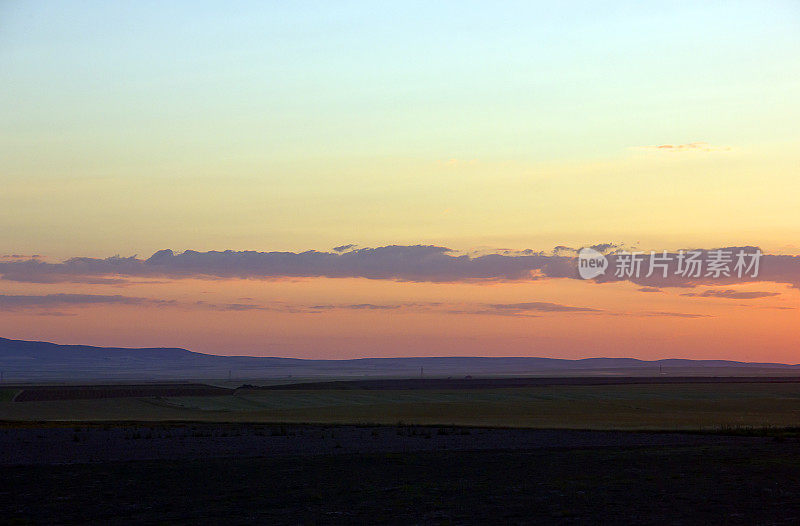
{"points": [[247, 474]]}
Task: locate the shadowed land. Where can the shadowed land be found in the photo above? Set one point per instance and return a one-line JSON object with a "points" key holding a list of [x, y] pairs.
{"points": [[662, 406], [245, 473], [193, 453], [29, 361]]}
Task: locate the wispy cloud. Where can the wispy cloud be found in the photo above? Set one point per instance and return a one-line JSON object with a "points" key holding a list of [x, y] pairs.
{"points": [[672, 314], [20, 256], [732, 294], [540, 309], [344, 248], [314, 309], [532, 309], [53, 305], [539, 306], [686, 147], [10, 302], [358, 306]]}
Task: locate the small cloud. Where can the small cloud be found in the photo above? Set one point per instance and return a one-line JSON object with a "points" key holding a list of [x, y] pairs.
{"points": [[344, 248], [523, 252], [493, 312], [20, 256], [370, 306], [674, 314], [237, 307], [687, 147], [452, 163], [311, 309], [605, 247], [53, 313], [539, 306], [11, 302], [562, 250], [649, 289], [732, 294]]}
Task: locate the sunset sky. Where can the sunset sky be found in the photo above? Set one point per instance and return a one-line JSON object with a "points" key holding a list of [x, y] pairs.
{"points": [[398, 179]]}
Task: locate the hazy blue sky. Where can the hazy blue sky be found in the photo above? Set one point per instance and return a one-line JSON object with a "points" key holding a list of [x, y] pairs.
{"points": [[131, 127], [151, 81]]}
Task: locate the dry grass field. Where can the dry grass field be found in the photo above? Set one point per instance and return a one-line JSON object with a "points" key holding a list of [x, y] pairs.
{"points": [[7, 395], [237, 457], [707, 406]]}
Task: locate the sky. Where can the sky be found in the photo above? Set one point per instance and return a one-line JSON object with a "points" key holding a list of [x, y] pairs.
{"points": [[350, 179]]}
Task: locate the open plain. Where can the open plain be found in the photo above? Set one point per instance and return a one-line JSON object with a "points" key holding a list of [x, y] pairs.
{"points": [[558, 451], [659, 404]]}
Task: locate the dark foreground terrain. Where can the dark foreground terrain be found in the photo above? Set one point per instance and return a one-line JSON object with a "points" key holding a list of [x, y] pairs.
{"points": [[517, 382], [294, 474]]}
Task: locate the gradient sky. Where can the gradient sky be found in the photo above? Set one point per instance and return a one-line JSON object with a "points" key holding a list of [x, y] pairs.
{"points": [[131, 127]]}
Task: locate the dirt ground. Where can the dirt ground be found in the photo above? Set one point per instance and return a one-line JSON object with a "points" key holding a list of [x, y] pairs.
{"points": [[244, 474]]}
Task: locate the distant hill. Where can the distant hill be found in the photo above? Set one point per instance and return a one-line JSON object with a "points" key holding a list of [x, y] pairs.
{"points": [[26, 361]]}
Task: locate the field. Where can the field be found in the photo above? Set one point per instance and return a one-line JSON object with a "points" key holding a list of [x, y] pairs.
{"points": [[7, 395], [289, 474], [669, 406], [41, 393], [563, 453]]}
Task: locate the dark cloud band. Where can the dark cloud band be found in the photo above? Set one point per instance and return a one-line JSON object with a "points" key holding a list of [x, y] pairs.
{"points": [[417, 263]]}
